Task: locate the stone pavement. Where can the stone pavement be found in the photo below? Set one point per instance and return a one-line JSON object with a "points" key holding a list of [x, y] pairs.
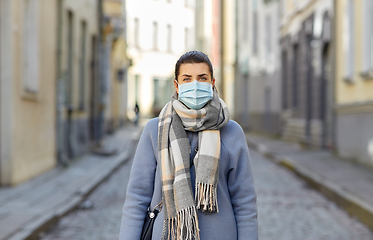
{"points": [[348, 184], [32, 207], [289, 209]]}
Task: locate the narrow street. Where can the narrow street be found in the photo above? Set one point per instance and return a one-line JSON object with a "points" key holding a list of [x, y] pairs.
{"points": [[102, 221], [288, 210]]}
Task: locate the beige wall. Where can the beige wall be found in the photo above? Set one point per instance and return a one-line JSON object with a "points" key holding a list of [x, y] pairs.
{"points": [[113, 7], [119, 61], [31, 120], [83, 10], [116, 109], [229, 55], [359, 89]]}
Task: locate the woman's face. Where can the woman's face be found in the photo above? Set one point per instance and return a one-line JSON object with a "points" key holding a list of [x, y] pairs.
{"points": [[190, 72]]}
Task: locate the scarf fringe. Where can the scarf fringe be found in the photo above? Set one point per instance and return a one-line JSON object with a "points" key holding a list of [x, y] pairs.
{"points": [[206, 198], [182, 227]]}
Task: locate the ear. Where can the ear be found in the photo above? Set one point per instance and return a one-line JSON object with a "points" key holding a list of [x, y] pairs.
{"points": [[213, 82], [176, 86]]}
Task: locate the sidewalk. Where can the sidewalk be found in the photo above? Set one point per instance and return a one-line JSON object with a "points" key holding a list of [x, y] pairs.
{"points": [[30, 208], [349, 185]]}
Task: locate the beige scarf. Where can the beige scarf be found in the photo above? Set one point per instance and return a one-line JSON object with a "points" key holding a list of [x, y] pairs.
{"points": [[180, 207]]}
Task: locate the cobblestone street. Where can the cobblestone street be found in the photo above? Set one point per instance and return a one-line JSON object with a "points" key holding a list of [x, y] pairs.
{"points": [[102, 221], [288, 209]]}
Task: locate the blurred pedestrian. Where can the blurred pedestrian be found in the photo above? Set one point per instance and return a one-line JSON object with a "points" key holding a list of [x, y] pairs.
{"points": [[137, 114], [195, 161]]}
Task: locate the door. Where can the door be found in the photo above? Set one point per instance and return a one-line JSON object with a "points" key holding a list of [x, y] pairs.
{"points": [[323, 92], [93, 90], [0, 98], [69, 83], [245, 102], [267, 112], [309, 86]]}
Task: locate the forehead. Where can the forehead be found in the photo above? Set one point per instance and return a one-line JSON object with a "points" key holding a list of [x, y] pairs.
{"points": [[194, 68]]}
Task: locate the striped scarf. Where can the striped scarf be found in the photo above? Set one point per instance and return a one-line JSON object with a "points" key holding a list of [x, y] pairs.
{"points": [[180, 207]]}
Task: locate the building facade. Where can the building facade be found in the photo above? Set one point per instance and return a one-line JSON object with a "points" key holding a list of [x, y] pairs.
{"points": [[307, 72], [207, 31], [117, 62], [226, 78], [354, 80], [79, 86], [258, 66], [159, 32], [215, 36], [27, 98]]}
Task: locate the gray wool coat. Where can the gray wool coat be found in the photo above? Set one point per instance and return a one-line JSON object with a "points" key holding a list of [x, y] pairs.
{"points": [[237, 216]]}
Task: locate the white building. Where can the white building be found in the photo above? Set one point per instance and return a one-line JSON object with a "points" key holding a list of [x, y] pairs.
{"points": [[258, 92], [158, 33]]}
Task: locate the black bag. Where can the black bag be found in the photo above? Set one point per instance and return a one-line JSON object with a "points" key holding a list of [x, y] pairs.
{"points": [[147, 229]]}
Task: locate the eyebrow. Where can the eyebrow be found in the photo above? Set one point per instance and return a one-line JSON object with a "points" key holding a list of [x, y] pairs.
{"points": [[200, 75], [203, 74]]}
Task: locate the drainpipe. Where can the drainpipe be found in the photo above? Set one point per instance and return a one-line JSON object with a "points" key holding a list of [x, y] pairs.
{"points": [[222, 43], [60, 91], [332, 105], [100, 91], [237, 79]]}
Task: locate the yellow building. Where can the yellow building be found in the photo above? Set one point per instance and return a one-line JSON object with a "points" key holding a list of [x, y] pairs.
{"points": [[115, 42], [354, 79], [215, 35], [79, 116], [225, 81], [27, 98]]}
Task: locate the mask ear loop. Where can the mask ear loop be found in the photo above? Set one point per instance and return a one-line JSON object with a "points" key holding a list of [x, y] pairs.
{"points": [[215, 88]]}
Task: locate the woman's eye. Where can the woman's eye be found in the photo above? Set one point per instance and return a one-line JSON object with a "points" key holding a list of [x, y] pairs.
{"points": [[186, 79], [203, 78]]}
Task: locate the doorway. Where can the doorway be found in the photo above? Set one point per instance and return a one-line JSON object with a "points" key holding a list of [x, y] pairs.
{"points": [[325, 74], [93, 90], [0, 99], [69, 83]]}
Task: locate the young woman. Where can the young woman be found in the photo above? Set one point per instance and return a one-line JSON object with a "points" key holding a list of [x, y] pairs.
{"points": [[195, 161]]}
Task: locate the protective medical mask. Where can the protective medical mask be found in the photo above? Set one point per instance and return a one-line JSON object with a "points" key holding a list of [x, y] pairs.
{"points": [[195, 94]]}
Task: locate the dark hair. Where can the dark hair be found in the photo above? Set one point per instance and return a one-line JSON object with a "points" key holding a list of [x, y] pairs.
{"points": [[193, 57]]}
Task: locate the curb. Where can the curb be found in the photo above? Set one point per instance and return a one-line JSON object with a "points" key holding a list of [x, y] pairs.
{"points": [[344, 199], [32, 231]]}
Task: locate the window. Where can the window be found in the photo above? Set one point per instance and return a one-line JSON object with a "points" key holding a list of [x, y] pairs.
{"points": [[368, 36], [295, 76], [245, 13], [255, 32], [348, 40], [136, 32], [31, 46], [284, 64], [169, 38], [155, 35], [82, 64], [268, 37], [163, 88], [70, 75], [186, 39], [137, 88]]}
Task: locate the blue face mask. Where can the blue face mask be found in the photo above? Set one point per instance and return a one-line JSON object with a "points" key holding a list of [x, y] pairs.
{"points": [[195, 94]]}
